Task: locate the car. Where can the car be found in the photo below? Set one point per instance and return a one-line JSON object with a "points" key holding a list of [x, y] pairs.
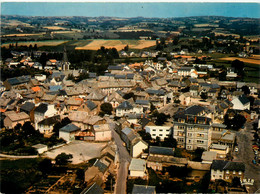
{"points": [[236, 149], [254, 162]]}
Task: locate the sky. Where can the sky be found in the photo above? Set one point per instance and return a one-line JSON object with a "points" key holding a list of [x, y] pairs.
{"points": [[135, 9]]}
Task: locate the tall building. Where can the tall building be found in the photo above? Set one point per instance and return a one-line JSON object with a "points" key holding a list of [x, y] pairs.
{"points": [[65, 62], [192, 131]]}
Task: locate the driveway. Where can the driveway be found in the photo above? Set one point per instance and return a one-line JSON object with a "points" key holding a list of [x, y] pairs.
{"points": [[245, 154], [80, 150]]}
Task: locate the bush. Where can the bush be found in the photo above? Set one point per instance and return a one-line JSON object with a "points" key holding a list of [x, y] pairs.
{"points": [[63, 159]]}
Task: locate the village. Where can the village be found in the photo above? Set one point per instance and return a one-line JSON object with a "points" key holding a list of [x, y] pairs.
{"points": [[143, 125]]}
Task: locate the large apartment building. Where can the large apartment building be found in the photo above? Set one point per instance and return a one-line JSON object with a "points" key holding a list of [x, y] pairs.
{"points": [[192, 131]]}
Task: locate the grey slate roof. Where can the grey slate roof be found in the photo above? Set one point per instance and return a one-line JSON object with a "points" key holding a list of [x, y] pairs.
{"points": [[27, 106], [50, 120], [125, 105], [243, 99], [142, 102], [91, 105], [143, 189], [42, 108], [101, 166], [228, 165], [194, 110], [69, 128], [93, 189], [161, 151], [115, 67]]}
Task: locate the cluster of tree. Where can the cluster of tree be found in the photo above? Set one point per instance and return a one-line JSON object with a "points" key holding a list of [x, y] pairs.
{"points": [[59, 125], [239, 67], [106, 108], [160, 118], [63, 158], [21, 138], [236, 123], [197, 154], [10, 73]]}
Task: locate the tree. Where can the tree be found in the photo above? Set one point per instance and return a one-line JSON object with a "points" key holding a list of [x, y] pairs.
{"points": [[129, 95], [152, 107], [145, 136], [198, 153], [63, 159], [106, 108], [161, 118], [45, 166], [80, 174], [126, 48], [239, 66], [169, 142], [204, 95], [245, 89]]}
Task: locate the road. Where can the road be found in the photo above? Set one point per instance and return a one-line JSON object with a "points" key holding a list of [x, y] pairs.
{"points": [[246, 155], [124, 161]]}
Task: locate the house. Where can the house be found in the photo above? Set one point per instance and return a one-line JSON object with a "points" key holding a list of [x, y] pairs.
{"points": [[124, 108], [93, 189], [68, 132], [144, 189], [12, 119], [74, 103], [46, 125], [137, 147], [43, 111], [16, 82], [134, 142], [40, 148], [224, 137], [115, 99], [185, 98], [137, 168], [96, 97], [208, 157], [227, 170], [28, 108], [162, 132], [90, 107], [241, 103], [221, 150], [161, 151], [102, 132]]}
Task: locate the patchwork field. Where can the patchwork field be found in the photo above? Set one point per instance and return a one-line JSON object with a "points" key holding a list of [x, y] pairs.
{"points": [[55, 28], [20, 35], [253, 61], [39, 43], [118, 44]]}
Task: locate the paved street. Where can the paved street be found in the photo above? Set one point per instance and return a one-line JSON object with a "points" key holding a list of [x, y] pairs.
{"points": [[246, 155], [124, 160]]}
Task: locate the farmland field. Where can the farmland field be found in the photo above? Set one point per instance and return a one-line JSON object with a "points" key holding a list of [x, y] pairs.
{"points": [[253, 61], [20, 35], [39, 43], [118, 44], [55, 28]]}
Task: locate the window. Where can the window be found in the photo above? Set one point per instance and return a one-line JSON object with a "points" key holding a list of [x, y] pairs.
{"points": [[154, 129], [200, 135], [220, 176], [190, 134], [227, 177], [200, 142], [160, 135], [154, 135], [180, 140], [168, 130], [239, 172], [160, 130], [227, 171], [189, 141], [234, 172], [213, 175]]}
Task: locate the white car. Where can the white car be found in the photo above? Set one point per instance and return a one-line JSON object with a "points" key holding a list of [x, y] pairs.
{"points": [[236, 149]]}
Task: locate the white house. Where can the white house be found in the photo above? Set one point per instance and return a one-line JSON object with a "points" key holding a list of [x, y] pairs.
{"points": [[102, 132], [159, 131], [43, 111], [137, 168], [185, 98], [137, 147], [241, 103], [124, 108], [68, 132], [46, 125], [40, 148]]}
